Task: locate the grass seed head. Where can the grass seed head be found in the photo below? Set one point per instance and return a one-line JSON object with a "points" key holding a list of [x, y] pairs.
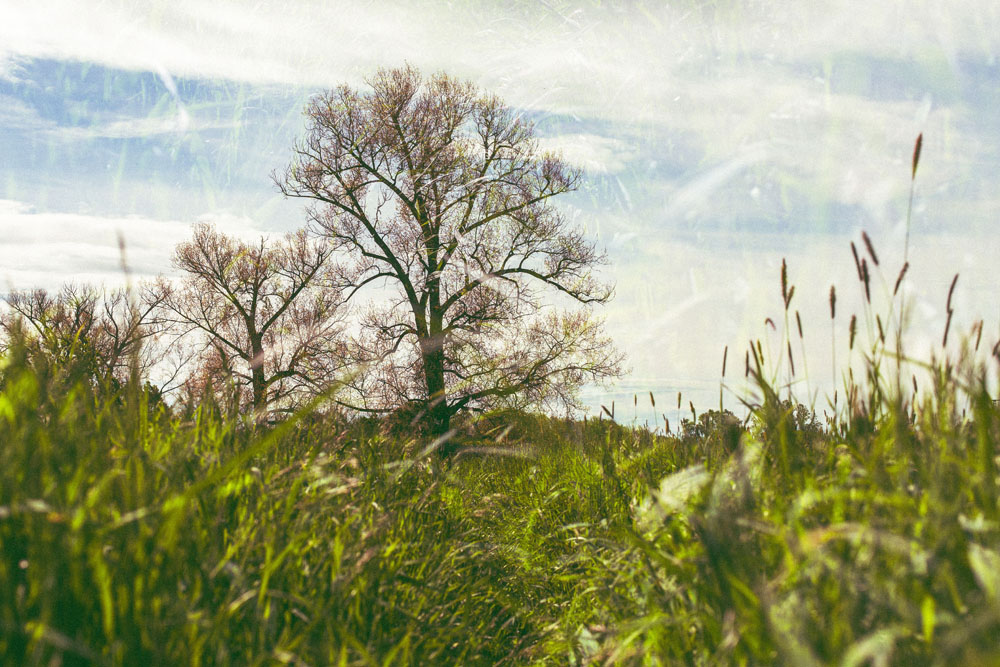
{"points": [[857, 261], [784, 281], [866, 279], [916, 154], [899, 279], [951, 291], [871, 248]]}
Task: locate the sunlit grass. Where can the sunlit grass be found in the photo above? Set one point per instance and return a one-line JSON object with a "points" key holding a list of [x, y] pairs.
{"points": [[130, 535]]}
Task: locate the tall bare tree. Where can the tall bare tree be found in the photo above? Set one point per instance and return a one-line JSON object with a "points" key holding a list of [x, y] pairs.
{"points": [[439, 191], [267, 316], [108, 331]]}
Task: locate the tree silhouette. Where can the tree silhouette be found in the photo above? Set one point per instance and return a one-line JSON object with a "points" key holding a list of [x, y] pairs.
{"points": [[269, 324], [107, 333], [437, 194]]}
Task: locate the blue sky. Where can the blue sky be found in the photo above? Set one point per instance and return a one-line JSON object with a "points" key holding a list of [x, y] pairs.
{"points": [[717, 139]]}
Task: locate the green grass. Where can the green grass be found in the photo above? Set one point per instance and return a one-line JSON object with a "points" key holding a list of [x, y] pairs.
{"points": [[131, 535]]}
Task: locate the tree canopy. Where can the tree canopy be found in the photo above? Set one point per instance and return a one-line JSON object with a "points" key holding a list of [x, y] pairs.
{"points": [[438, 194], [268, 323]]}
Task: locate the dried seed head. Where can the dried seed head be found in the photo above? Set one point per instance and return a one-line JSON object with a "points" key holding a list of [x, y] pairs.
{"points": [[768, 320], [791, 361], [899, 279], [881, 332], [798, 322], [853, 329], [871, 248], [857, 260], [947, 326], [784, 280], [916, 154], [833, 302], [866, 279], [651, 399], [725, 354], [951, 290]]}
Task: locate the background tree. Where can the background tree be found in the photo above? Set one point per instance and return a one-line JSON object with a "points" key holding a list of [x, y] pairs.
{"points": [[714, 428], [439, 192], [108, 334], [269, 321]]}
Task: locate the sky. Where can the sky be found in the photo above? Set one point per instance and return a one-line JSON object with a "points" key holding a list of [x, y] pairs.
{"points": [[717, 139]]}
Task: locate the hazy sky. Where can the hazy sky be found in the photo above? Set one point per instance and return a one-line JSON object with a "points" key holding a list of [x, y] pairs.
{"points": [[717, 139]]}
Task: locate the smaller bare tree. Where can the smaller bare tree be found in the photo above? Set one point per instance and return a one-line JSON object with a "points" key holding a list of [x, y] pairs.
{"points": [[269, 325], [107, 331]]}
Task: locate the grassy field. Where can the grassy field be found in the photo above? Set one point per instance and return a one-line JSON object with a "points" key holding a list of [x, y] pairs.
{"points": [[132, 535]]}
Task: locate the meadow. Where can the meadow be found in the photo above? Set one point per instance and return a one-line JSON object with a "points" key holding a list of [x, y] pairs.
{"points": [[133, 532]]}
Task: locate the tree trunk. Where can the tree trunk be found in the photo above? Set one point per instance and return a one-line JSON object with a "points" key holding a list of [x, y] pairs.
{"points": [[258, 382], [438, 417], [432, 348]]}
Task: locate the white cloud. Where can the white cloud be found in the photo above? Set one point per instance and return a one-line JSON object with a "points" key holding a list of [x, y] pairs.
{"points": [[738, 74], [48, 249], [591, 152]]}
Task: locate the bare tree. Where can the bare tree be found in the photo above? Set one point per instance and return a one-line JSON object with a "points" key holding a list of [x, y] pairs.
{"points": [[268, 319], [439, 191], [107, 331]]}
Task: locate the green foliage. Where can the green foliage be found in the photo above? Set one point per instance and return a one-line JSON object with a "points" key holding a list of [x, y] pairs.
{"points": [[130, 534]]}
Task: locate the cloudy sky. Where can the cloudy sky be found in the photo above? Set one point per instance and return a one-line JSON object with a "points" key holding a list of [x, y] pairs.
{"points": [[718, 138]]}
